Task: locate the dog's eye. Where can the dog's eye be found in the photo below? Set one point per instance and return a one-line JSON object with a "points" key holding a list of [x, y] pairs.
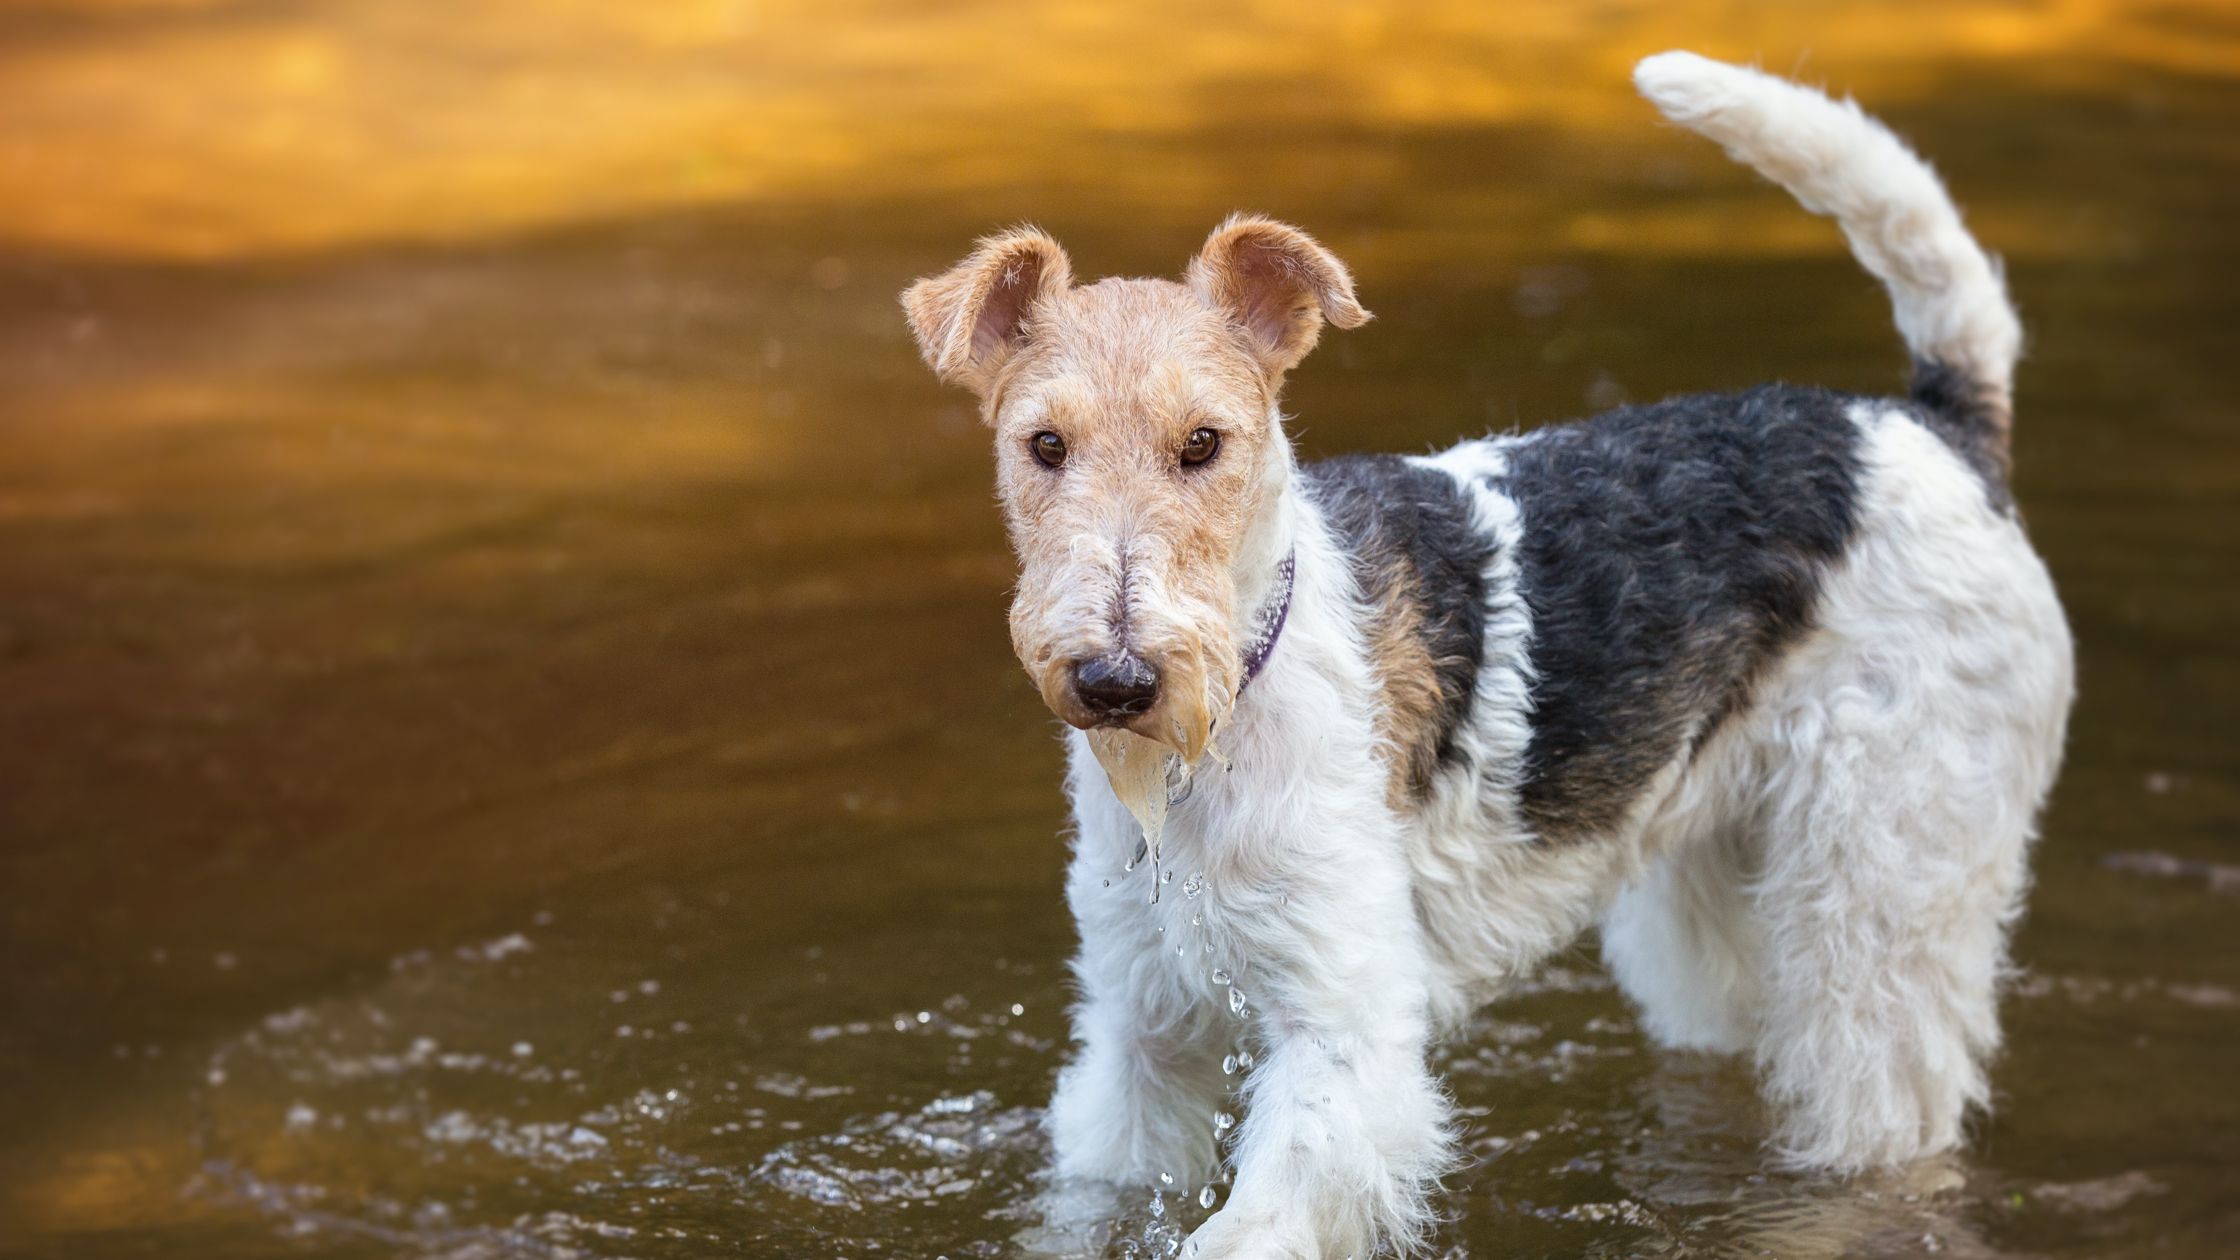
{"points": [[1200, 446], [1049, 448]]}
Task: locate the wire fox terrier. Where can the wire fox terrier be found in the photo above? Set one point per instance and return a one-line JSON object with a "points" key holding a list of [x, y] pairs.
{"points": [[1769, 686]]}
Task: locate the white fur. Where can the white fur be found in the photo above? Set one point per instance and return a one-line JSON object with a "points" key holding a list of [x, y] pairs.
{"points": [[1826, 884], [1833, 883], [1911, 743], [1951, 304], [1306, 907]]}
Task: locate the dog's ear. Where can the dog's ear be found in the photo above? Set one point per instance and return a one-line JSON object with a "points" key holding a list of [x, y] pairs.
{"points": [[1278, 284], [971, 317]]}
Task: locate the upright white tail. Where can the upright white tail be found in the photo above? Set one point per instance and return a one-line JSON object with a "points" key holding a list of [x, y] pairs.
{"points": [[1951, 302]]}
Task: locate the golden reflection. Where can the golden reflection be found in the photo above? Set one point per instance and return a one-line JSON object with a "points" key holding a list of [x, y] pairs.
{"points": [[202, 129]]}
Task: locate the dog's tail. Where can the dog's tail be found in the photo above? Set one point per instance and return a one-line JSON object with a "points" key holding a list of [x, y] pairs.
{"points": [[1951, 301]]}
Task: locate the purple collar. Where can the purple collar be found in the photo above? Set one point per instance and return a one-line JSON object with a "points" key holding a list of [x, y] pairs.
{"points": [[1267, 624]]}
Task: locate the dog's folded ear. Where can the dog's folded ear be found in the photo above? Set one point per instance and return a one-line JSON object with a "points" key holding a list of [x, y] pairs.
{"points": [[971, 317], [1278, 284]]}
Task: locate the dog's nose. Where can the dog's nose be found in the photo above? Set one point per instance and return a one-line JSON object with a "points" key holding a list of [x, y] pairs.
{"points": [[1121, 685]]}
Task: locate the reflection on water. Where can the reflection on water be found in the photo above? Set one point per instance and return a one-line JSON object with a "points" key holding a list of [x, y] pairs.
{"points": [[507, 741]]}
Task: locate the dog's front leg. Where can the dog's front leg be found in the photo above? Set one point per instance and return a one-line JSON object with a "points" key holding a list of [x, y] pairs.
{"points": [[1345, 1130], [1139, 1097]]}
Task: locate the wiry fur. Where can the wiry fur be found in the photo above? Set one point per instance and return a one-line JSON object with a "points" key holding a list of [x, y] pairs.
{"points": [[1675, 550], [1950, 302], [1769, 685], [1421, 569]]}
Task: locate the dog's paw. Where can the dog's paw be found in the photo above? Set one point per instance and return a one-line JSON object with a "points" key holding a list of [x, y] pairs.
{"points": [[1230, 1235]]}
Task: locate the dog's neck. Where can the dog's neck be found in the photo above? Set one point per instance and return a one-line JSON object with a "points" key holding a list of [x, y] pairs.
{"points": [[1268, 564], [1274, 534], [1267, 624]]}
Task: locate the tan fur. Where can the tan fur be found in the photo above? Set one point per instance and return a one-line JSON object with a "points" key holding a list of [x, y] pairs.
{"points": [[1409, 720], [968, 319], [1278, 284], [1408, 724], [1123, 546]]}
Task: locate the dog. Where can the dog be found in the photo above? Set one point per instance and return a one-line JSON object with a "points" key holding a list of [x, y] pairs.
{"points": [[1768, 686]]}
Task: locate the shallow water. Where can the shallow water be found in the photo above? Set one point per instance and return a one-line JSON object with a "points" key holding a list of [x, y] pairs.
{"points": [[508, 745]]}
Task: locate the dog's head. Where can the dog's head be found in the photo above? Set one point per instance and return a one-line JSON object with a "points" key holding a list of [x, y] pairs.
{"points": [[1139, 455]]}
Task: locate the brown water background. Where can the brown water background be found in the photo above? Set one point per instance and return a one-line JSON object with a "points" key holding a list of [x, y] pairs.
{"points": [[508, 745]]}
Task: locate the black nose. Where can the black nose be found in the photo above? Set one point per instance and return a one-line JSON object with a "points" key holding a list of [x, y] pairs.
{"points": [[1116, 686]]}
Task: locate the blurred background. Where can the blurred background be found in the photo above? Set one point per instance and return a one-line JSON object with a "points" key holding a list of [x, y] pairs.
{"points": [[508, 744]]}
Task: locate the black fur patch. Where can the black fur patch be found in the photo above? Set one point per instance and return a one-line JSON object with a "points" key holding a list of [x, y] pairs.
{"points": [[1411, 537], [1669, 553], [1956, 408]]}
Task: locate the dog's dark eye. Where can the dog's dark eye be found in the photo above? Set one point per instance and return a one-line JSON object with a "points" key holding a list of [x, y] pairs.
{"points": [[1049, 448], [1200, 446]]}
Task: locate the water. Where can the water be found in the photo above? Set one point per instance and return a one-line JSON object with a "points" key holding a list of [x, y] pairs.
{"points": [[508, 745]]}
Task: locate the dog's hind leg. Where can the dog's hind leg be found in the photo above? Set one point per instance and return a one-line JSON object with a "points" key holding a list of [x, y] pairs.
{"points": [[1908, 745], [1888, 886], [1682, 942]]}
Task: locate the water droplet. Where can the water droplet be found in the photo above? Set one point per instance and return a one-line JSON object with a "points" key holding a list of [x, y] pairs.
{"points": [[1105, 882], [1244, 1059], [1228, 1065], [1236, 1001], [1166, 1179], [1205, 1197], [1166, 877], [1223, 1121], [1220, 975], [1194, 885], [1178, 780]]}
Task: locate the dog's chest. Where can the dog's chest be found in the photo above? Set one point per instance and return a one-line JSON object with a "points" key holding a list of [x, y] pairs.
{"points": [[1194, 950], [1192, 908], [1197, 909]]}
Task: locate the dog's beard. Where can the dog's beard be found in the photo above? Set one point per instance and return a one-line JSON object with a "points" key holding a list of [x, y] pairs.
{"points": [[1149, 775], [1185, 635], [1150, 772], [1197, 673]]}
